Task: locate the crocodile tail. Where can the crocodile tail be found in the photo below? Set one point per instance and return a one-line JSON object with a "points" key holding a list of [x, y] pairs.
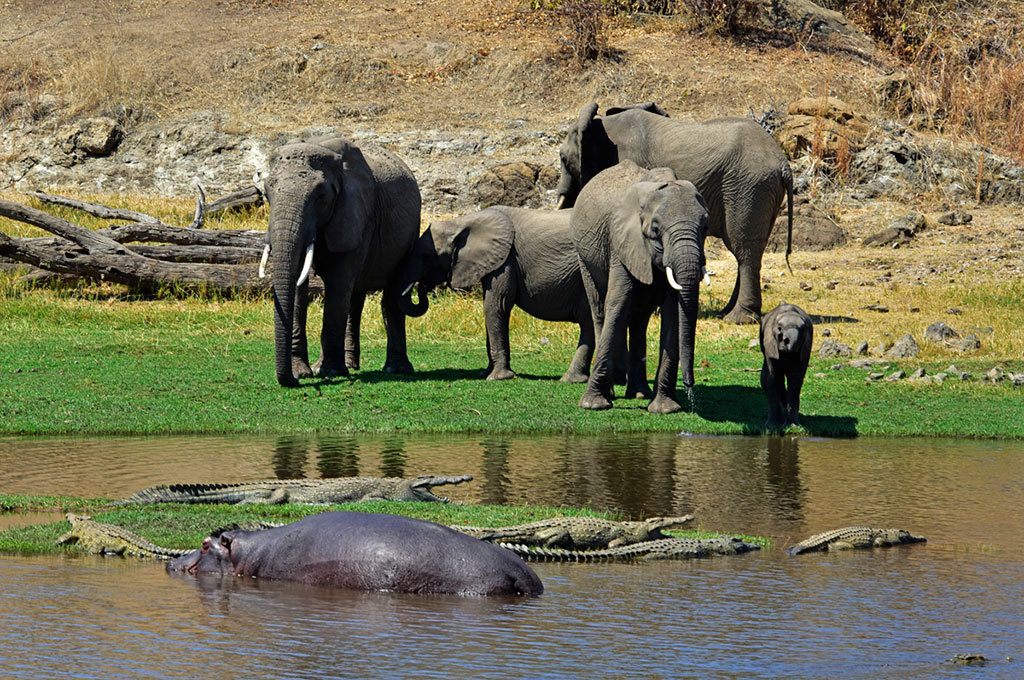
{"points": [[537, 554], [175, 493]]}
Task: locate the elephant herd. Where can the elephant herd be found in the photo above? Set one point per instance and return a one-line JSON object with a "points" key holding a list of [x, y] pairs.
{"points": [[637, 195]]}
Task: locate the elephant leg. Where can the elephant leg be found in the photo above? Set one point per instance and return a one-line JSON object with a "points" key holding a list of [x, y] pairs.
{"points": [[794, 382], [618, 303], [668, 359], [498, 295], [338, 286], [774, 391], [745, 303], [636, 356], [300, 348], [355, 317], [579, 369], [396, 359]]}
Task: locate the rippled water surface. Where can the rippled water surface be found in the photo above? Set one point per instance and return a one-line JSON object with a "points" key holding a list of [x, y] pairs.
{"points": [[896, 613]]}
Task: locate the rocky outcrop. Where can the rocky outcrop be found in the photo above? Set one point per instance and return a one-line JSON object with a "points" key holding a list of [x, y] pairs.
{"points": [[826, 126], [517, 184]]}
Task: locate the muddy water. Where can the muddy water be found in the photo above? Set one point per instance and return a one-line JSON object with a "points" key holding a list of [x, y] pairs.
{"points": [[898, 613]]}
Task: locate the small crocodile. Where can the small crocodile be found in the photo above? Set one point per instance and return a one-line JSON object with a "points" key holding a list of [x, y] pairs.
{"points": [[855, 537], [577, 533], [306, 491], [109, 539], [660, 549]]}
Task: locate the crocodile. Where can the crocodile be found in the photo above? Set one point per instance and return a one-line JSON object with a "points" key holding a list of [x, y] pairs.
{"points": [[660, 549], [109, 539], [305, 491], [577, 533], [855, 537]]}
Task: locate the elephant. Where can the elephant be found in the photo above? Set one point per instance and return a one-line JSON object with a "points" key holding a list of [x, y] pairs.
{"points": [[523, 258], [640, 237], [737, 167], [786, 336], [352, 214]]}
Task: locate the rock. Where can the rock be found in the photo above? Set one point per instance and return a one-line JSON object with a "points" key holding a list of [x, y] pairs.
{"points": [[955, 311], [1017, 379], [91, 136], [805, 286], [835, 367], [876, 308], [969, 343], [898, 233], [939, 332], [814, 229], [754, 344], [826, 125], [968, 660], [938, 378], [896, 376], [831, 348], [805, 18], [861, 350], [875, 376], [995, 374], [894, 93], [954, 372], [517, 184], [868, 364], [879, 350], [904, 348], [918, 374], [826, 332], [955, 218]]}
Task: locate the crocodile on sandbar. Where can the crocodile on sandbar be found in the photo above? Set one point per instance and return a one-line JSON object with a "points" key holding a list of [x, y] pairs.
{"points": [[305, 491], [109, 539], [660, 549], [855, 537], [578, 533]]}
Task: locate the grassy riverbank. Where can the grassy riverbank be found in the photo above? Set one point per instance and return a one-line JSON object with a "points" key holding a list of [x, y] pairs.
{"points": [[99, 361], [184, 526]]}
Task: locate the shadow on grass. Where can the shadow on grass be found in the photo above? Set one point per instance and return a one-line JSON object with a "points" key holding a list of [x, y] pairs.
{"points": [[747, 407]]}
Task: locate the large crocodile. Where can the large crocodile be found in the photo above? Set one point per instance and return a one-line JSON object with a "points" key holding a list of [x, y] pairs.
{"points": [[306, 491], [109, 539], [855, 537], [661, 549], [578, 533]]}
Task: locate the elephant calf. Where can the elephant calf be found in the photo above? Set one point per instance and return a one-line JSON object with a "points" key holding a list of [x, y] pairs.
{"points": [[522, 258], [787, 334]]}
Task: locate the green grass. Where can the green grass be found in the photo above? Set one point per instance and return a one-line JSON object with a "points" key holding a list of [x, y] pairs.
{"points": [[184, 526], [97, 361]]}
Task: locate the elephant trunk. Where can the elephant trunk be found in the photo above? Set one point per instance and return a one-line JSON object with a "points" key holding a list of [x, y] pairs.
{"points": [[410, 275], [410, 308], [289, 246], [685, 278]]}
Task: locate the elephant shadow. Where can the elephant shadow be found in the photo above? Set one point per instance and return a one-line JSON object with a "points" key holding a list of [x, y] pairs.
{"points": [[444, 374], [748, 406]]}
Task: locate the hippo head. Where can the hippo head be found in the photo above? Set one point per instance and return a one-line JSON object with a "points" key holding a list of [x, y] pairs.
{"points": [[213, 558]]}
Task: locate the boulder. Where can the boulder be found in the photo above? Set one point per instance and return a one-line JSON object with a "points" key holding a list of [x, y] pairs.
{"points": [[826, 125], [831, 348], [91, 136], [894, 92], [813, 230], [939, 332], [517, 184], [806, 18], [904, 348]]}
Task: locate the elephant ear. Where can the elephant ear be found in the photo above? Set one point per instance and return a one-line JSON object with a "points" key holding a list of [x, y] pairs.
{"points": [[628, 240], [769, 343], [480, 244], [649, 107], [806, 338], [353, 205], [597, 151]]}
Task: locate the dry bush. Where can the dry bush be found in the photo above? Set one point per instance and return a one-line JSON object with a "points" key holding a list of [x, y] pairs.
{"points": [[22, 77], [717, 17], [582, 19]]}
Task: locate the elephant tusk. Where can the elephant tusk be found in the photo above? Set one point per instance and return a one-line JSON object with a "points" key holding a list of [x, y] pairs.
{"points": [[672, 279], [561, 202], [707, 277], [408, 288], [304, 274], [263, 261]]}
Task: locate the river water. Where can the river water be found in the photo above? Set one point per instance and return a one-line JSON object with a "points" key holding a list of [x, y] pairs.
{"points": [[889, 613]]}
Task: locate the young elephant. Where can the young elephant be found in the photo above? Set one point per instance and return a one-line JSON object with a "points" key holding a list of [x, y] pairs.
{"points": [[522, 258], [787, 334]]}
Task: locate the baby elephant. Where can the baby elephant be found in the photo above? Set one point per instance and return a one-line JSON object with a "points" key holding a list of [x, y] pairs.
{"points": [[522, 258], [787, 334]]}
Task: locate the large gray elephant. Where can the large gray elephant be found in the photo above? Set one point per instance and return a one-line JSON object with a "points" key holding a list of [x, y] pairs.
{"points": [[640, 239], [741, 172], [523, 258], [351, 214]]}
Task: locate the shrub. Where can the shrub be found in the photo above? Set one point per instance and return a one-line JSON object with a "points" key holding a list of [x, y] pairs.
{"points": [[719, 17]]}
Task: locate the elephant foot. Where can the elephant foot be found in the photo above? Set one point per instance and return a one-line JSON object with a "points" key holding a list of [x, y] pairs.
{"points": [[332, 370], [501, 374], [638, 391], [663, 404], [398, 366], [301, 369], [287, 380], [595, 401], [574, 376], [352, 361], [739, 315]]}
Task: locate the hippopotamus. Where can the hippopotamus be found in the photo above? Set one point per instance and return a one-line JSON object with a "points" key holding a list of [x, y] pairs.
{"points": [[365, 551]]}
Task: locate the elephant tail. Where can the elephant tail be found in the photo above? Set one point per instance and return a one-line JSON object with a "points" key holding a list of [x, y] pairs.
{"points": [[787, 179]]}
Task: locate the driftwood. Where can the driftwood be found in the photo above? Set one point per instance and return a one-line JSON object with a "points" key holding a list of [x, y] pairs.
{"points": [[190, 257]]}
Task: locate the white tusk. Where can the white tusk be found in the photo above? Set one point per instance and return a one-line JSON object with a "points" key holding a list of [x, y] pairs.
{"points": [[707, 278], [304, 274], [263, 261], [561, 201], [671, 279], [408, 288]]}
